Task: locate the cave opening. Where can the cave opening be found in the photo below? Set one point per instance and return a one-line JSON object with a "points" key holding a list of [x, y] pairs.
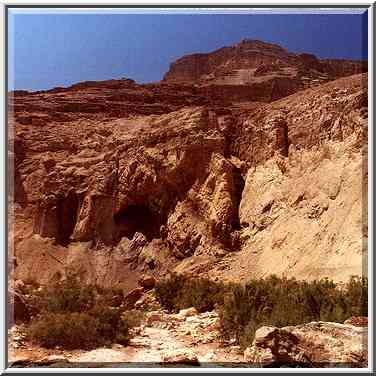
{"points": [[137, 218], [68, 208]]}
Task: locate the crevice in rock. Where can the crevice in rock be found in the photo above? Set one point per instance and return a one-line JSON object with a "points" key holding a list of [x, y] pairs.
{"points": [[137, 218], [282, 139], [239, 184], [67, 217], [18, 189]]}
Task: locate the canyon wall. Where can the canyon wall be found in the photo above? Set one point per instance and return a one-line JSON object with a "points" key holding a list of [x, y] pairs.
{"points": [[120, 179]]}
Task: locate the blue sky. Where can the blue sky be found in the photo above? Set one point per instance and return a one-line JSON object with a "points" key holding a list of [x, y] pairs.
{"points": [[59, 49]]}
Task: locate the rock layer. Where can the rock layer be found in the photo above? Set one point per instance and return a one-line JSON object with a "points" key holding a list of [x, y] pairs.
{"points": [[256, 70], [192, 183]]}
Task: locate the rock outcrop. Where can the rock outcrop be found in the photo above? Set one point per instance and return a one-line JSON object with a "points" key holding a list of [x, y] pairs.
{"points": [[303, 208], [258, 71], [317, 344]]}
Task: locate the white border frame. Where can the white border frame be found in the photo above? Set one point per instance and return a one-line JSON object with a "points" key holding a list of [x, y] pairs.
{"points": [[189, 3]]}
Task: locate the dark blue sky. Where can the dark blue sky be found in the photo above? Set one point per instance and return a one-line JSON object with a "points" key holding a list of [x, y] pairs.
{"points": [[48, 50]]}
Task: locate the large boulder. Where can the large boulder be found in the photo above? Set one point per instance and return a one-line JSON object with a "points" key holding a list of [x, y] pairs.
{"points": [[184, 356], [316, 344]]}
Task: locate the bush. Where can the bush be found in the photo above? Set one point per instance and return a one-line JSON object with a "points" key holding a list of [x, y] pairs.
{"points": [[71, 294], [271, 301], [73, 315], [282, 302], [181, 291], [357, 296], [133, 318], [73, 330], [70, 330], [66, 295]]}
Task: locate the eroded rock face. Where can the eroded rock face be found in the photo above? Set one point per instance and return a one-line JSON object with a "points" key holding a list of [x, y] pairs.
{"points": [[303, 214], [258, 71], [317, 344], [123, 191]]}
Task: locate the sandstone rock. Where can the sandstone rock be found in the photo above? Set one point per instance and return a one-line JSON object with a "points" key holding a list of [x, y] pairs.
{"points": [[132, 297], [257, 64], [147, 282], [180, 357], [147, 302], [188, 312], [193, 320], [50, 361], [357, 321], [317, 344], [56, 358]]}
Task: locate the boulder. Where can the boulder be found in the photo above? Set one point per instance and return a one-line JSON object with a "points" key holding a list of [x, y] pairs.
{"points": [[316, 344], [188, 312], [180, 357], [357, 321], [147, 282], [132, 297]]}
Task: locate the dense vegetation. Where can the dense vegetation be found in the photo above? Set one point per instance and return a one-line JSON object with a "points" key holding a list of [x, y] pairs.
{"points": [[73, 315], [270, 301], [69, 314], [179, 292]]}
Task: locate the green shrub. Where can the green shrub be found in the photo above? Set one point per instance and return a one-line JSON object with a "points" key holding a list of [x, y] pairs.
{"points": [[113, 297], [73, 315], [66, 295], [101, 326], [133, 317], [109, 322], [181, 291], [70, 330], [71, 294], [357, 296], [271, 301], [282, 302]]}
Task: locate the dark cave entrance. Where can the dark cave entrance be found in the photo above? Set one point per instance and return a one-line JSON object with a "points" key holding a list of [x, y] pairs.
{"points": [[68, 208], [137, 218]]}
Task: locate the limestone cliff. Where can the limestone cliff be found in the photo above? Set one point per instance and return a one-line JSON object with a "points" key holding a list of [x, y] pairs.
{"points": [[120, 178]]}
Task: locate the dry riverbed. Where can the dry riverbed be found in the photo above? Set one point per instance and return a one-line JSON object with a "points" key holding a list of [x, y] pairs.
{"points": [[187, 338]]}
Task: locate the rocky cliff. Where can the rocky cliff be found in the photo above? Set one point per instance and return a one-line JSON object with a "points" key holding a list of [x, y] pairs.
{"points": [[266, 70], [119, 178]]}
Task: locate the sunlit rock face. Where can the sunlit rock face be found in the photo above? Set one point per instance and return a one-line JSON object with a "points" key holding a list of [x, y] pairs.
{"points": [[194, 173]]}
